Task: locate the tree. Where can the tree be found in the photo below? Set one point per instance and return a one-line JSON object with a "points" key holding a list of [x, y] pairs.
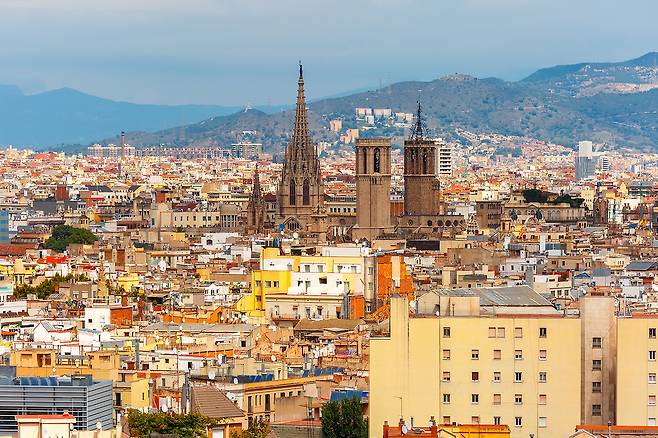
{"points": [[257, 429], [64, 235], [344, 419], [46, 287], [193, 425]]}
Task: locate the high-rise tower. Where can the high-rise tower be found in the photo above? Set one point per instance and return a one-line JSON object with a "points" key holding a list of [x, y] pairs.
{"points": [[300, 196], [373, 185], [421, 186]]}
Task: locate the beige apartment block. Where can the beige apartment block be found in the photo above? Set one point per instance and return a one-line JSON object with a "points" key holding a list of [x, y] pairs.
{"points": [[520, 370], [636, 370]]}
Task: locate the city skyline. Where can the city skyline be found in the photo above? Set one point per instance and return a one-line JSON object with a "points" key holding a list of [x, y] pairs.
{"points": [[172, 53]]}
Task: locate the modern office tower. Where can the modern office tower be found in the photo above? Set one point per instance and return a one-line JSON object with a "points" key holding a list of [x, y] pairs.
{"points": [[444, 158], [586, 161], [373, 186], [88, 400]]}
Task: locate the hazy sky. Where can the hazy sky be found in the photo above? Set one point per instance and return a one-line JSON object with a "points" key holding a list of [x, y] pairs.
{"points": [[234, 52]]}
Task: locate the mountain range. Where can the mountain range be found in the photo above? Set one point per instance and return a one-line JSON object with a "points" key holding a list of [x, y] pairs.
{"points": [[611, 103], [66, 116]]}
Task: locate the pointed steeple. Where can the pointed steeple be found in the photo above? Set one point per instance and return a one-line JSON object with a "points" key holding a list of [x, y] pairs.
{"points": [[300, 146], [417, 131], [256, 192]]}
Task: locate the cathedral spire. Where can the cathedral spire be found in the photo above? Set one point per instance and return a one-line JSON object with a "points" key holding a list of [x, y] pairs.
{"points": [[300, 146], [256, 191]]}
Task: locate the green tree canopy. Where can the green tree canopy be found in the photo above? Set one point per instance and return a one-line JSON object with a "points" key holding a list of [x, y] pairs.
{"points": [[63, 235], [194, 425], [46, 287], [344, 419]]}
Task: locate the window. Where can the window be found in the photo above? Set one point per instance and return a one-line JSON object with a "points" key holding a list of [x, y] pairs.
{"points": [[518, 354], [596, 410], [446, 419], [596, 364], [543, 332], [518, 332], [292, 195], [446, 354], [518, 399], [475, 376], [542, 399], [596, 342], [446, 398], [501, 332], [496, 399], [446, 332], [475, 398], [541, 422], [475, 354], [596, 386], [518, 421], [306, 193], [651, 421], [475, 420], [496, 377], [652, 378], [542, 377], [496, 420], [652, 333], [542, 354], [446, 376], [492, 332], [652, 354], [652, 400], [518, 376], [496, 354]]}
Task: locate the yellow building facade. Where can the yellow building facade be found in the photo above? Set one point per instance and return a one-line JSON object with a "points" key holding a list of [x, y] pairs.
{"points": [[303, 276], [520, 371], [637, 369]]}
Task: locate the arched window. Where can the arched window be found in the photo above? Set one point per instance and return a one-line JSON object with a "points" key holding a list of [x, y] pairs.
{"points": [[424, 162], [365, 161], [293, 192], [306, 193], [377, 157]]}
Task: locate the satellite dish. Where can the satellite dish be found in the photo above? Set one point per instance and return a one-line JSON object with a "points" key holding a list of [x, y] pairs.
{"points": [[404, 429], [273, 358], [165, 408], [211, 375], [295, 235], [235, 380]]}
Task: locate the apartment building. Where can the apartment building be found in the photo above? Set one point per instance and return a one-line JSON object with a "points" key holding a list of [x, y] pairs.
{"points": [[515, 369], [311, 286], [637, 369]]}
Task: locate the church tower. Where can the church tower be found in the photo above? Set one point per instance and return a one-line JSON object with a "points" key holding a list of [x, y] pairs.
{"points": [[421, 186], [300, 196], [373, 185], [256, 212], [600, 208]]}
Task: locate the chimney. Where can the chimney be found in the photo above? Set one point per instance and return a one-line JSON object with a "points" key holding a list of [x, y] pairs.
{"points": [[434, 431], [385, 435]]}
